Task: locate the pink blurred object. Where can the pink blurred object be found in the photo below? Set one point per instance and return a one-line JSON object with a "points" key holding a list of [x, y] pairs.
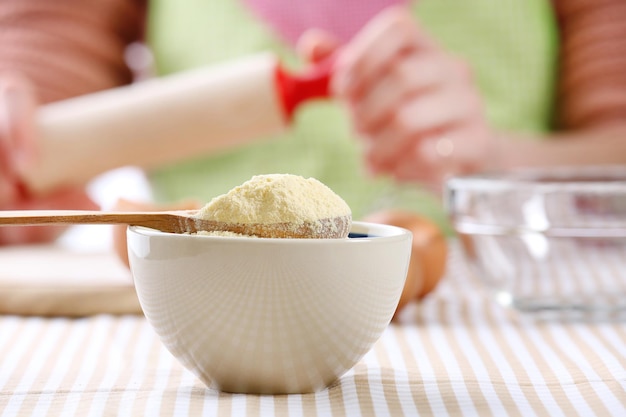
{"points": [[341, 18]]}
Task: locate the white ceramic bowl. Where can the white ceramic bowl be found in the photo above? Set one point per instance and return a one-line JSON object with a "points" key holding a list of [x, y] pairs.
{"points": [[269, 315]]}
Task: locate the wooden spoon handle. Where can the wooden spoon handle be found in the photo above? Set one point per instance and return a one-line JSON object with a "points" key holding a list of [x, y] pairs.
{"points": [[43, 217]]}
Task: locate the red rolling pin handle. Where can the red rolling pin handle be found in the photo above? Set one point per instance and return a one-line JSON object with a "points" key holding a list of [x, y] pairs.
{"points": [[295, 89]]}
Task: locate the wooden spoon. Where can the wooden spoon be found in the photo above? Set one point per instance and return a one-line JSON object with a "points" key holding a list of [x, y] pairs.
{"points": [[183, 221]]}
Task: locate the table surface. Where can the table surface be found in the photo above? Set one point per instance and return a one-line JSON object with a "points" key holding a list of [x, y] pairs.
{"points": [[456, 353]]}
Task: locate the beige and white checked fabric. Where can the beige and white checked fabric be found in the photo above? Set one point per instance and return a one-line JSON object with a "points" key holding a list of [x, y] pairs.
{"points": [[456, 354]]}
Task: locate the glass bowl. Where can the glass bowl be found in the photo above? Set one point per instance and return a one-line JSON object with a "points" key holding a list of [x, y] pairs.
{"points": [[546, 240]]}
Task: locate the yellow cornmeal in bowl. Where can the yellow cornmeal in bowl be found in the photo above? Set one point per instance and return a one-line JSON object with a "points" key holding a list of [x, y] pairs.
{"points": [[276, 199], [221, 234]]}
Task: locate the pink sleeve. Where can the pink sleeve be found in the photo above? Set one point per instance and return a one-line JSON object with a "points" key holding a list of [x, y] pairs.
{"points": [[69, 47], [592, 85]]}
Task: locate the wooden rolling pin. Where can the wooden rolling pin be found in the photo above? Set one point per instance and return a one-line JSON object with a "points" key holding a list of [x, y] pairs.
{"points": [[168, 119]]}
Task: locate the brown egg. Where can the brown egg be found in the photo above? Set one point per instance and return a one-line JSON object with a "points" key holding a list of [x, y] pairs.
{"points": [[428, 253], [119, 231]]}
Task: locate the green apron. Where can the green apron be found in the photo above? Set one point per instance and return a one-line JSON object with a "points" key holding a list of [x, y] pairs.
{"points": [[511, 45]]}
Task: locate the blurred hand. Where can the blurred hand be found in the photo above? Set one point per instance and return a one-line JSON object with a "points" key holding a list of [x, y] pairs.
{"points": [[414, 105], [17, 153], [315, 45], [17, 107]]}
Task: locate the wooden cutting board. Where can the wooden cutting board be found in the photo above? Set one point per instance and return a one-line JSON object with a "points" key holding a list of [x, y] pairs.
{"points": [[52, 280]]}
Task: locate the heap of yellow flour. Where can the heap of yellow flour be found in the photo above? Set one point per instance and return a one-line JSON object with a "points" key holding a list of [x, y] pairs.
{"points": [[276, 198]]}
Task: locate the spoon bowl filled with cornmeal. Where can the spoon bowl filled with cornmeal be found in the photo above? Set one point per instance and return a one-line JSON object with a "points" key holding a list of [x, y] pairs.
{"points": [[286, 312], [280, 206]]}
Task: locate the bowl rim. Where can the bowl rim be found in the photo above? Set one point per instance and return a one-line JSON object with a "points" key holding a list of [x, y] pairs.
{"points": [[590, 178], [387, 233]]}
